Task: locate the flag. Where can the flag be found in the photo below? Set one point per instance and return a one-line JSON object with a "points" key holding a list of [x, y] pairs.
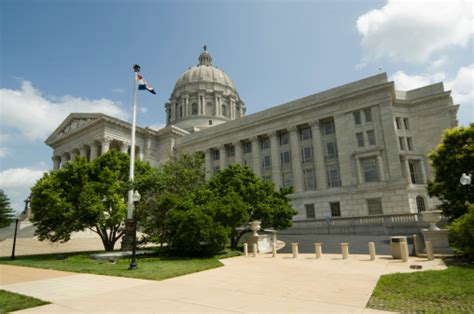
{"points": [[143, 85]]}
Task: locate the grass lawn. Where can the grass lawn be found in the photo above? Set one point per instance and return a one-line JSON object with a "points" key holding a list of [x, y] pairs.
{"points": [[10, 302], [149, 267], [445, 291]]}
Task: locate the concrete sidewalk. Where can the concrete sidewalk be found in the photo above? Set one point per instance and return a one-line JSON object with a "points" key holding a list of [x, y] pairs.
{"points": [[245, 284]]}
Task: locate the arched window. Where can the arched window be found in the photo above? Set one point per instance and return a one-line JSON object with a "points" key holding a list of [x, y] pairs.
{"points": [[420, 204], [224, 111], [194, 109]]}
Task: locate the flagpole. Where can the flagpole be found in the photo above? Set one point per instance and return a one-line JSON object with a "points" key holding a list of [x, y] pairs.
{"points": [[130, 205]]}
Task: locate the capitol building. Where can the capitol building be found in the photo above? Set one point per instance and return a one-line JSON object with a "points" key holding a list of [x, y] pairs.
{"points": [[354, 150]]}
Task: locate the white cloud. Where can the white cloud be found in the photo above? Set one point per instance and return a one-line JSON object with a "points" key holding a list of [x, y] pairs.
{"points": [[4, 152], [406, 82], [462, 87], [157, 127], [143, 109], [34, 117], [412, 31], [17, 182]]}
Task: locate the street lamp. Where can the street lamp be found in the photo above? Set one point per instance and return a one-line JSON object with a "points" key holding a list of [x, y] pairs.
{"points": [[17, 220], [466, 179], [133, 263]]}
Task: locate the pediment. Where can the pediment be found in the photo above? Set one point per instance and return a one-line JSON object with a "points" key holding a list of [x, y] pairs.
{"points": [[73, 123]]}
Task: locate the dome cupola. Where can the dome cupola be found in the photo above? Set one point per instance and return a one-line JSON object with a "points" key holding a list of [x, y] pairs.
{"points": [[203, 96]]}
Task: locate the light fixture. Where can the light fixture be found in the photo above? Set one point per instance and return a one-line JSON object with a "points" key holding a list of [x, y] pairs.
{"points": [[466, 179]]}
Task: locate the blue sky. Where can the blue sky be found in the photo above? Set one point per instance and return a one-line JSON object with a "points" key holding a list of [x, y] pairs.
{"points": [[59, 57]]}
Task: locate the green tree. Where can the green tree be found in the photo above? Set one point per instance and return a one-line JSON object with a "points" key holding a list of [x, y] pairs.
{"points": [[453, 156], [6, 212], [85, 195], [163, 190], [246, 198], [461, 233]]}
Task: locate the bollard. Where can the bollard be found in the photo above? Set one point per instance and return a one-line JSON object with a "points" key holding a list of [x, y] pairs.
{"points": [[345, 250], [404, 251], [429, 250], [415, 245], [254, 249], [372, 251], [317, 249], [294, 249], [274, 250], [246, 249]]}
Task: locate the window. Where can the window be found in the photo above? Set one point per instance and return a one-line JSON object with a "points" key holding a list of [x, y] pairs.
{"points": [[328, 127], [246, 162], [406, 123], [401, 142], [285, 158], [307, 154], [267, 178], [334, 179], [420, 204], [287, 179], [415, 172], [224, 110], [230, 151], [368, 115], [360, 139], [335, 209], [309, 180], [371, 137], [331, 150], [266, 162], [180, 111], [357, 120], [398, 123], [309, 211], [210, 122], [264, 143], [374, 205], [305, 133], [409, 143], [247, 147], [194, 109], [284, 138], [215, 155], [369, 169]]}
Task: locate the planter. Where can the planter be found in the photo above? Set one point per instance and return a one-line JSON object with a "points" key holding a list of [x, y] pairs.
{"points": [[432, 217]]}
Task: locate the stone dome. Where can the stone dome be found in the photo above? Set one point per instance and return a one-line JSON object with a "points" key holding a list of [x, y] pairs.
{"points": [[203, 96]]}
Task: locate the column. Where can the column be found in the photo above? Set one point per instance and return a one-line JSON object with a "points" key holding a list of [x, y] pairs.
{"points": [[203, 103], [216, 106], [185, 109], [188, 110], [296, 159], [275, 152], [176, 113], [359, 171], [318, 151], [56, 160], [232, 108], [239, 156], [124, 147], [147, 150], [222, 158], [207, 163], [407, 171], [94, 151], [64, 159], [256, 156], [105, 146], [423, 171], [83, 151], [381, 168]]}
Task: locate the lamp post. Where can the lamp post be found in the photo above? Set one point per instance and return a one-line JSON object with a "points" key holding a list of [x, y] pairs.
{"points": [[133, 263], [17, 220], [466, 179]]}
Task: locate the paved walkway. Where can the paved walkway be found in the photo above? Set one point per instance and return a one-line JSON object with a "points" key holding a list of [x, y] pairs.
{"points": [[245, 284]]}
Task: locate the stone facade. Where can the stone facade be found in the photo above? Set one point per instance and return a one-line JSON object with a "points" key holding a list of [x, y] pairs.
{"points": [[355, 150]]}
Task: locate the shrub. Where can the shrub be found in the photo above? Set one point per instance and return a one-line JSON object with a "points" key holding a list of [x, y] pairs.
{"points": [[461, 232]]}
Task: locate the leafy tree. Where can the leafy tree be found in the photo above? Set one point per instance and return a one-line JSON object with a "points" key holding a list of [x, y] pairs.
{"points": [[453, 156], [84, 195], [247, 198], [162, 190], [461, 232], [6, 212]]}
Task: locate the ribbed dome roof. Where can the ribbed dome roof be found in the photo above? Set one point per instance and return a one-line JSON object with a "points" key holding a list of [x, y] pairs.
{"points": [[204, 72]]}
